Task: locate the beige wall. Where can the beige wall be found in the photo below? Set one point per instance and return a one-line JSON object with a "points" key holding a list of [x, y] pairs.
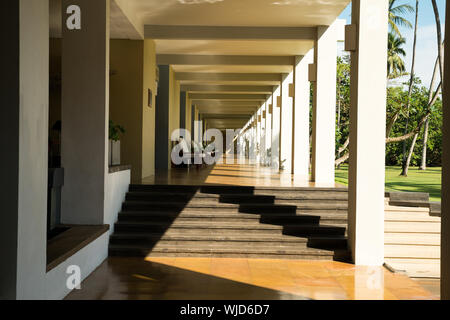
{"points": [[133, 73]]}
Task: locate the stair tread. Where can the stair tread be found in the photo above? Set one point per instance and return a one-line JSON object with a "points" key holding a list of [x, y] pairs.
{"points": [[175, 203], [218, 249], [217, 225], [284, 195], [251, 188], [338, 215], [229, 237]]}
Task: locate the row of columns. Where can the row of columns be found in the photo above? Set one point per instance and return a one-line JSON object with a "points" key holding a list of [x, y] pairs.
{"points": [[290, 132], [285, 130]]}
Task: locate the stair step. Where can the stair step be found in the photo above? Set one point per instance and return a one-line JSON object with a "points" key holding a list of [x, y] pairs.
{"points": [[217, 189], [305, 253], [234, 200], [250, 208], [207, 226], [199, 241], [265, 210], [336, 196], [233, 217], [181, 236]]}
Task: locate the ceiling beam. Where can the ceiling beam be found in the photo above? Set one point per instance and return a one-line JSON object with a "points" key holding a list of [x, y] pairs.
{"points": [[226, 116], [226, 88], [228, 103], [225, 96], [210, 76], [215, 110], [173, 32], [218, 60]]}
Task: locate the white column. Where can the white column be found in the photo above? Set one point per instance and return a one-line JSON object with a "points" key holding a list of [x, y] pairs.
{"points": [[196, 126], [276, 129], [85, 112], [258, 136], [301, 147], [24, 102], [263, 135], [253, 140], [324, 106], [368, 132], [445, 216], [269, 107], [286, 123]]}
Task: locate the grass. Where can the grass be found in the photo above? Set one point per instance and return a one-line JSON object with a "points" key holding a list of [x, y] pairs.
{"points": [[417, 181]]}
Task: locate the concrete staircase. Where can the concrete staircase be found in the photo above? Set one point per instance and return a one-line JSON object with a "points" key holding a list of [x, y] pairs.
{"points": [[232, 221]]}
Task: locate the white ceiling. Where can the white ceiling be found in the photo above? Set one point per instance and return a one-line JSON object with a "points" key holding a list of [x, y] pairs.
{"points": [[128, 16], [239, 12]]}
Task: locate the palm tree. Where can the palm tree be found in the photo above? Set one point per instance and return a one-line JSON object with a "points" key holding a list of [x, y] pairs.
{"points": [[407, 159], [395, 65], [395, 16]]}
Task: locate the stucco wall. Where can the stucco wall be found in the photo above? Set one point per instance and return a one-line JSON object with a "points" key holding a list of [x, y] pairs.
{"points": [[116, 188], [133, 65], [33, 142]]}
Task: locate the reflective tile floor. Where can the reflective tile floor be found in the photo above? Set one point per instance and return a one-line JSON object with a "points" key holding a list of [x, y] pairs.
{"points": [[243, 279]]}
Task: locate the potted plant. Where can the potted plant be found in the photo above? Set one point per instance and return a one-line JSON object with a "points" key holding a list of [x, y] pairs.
{"points": [[115, 133]]}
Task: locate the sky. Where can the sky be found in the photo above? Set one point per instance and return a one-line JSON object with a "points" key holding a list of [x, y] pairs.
{"points": [[426, 37]]}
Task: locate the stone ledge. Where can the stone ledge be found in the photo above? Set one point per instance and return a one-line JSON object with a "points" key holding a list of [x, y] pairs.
{"points": [[66, 244]]}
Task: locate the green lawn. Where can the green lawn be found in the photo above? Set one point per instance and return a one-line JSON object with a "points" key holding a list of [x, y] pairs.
{"points": [[417, 181]]}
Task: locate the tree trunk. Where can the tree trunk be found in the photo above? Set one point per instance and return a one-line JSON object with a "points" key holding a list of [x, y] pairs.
{"points": [[391, 123], [423, 165], [439, 38], [411, 83], [411, 151]]}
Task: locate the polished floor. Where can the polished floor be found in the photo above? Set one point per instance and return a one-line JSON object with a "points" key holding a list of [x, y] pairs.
{"points": [[243, 279], [230, 172]]}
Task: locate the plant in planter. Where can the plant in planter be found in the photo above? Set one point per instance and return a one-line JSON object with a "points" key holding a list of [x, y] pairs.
{"points": [[115, 133]]}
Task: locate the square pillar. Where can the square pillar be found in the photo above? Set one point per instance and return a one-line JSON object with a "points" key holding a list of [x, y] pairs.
{"points": [[300, 117], [85, 112], [253, 139], [324, 105], [162, 113], [263, 135], [258, 136], [183, 110], [368, 132], [276, 117], [445, 216], [24, 100], [286, 123], [269, 110]]}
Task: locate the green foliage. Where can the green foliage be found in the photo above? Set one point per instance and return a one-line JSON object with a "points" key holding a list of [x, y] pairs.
{"points": [[397, 98], [115, 131], [396, 18], [396, 53]]}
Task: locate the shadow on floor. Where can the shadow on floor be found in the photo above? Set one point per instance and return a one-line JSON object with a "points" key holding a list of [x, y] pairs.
{"points": [[138, 279]]}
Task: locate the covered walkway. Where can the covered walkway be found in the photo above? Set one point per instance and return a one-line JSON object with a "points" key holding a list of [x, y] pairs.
{"points": [[156, 67]]}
